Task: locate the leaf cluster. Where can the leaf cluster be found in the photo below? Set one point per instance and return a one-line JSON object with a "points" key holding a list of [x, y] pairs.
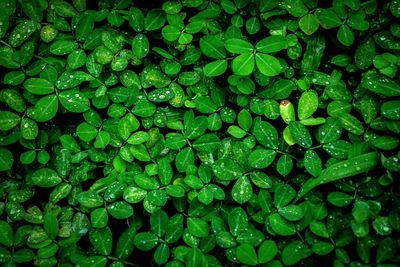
{"points": [[199, 133]]}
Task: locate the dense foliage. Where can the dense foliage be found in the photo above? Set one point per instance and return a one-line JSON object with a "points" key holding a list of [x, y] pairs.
{"points": [[199, 133]]}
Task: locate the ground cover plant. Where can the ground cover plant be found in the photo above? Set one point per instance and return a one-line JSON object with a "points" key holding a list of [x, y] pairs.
{"points": [[199, 133]]}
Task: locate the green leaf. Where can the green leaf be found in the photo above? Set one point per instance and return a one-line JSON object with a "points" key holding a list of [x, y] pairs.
{"points": [[125, 243], [158, 222], [102, 139], [90, 199], [243, 64], [8, 120], [267, 251], [27, 157], [312, 163], [160, 95], [45, 109], [245, 120], [74, 101], [242, 191], [228, 6], [237, 220], [174, 229], [188, 78], [260, 179], [85, 27], [309, 24], [261, 158], [253, 25], [284, 165], [351, 124], [386, 142], [322, 248], [145, 241], [205, 104], [386, 249], [133, 194], [157, 198], [215, 68], [272, 44], [140, 46], [291, 212], [345, 35], [382, 226], [238, 46], [380, 84], [245, 85], [48, 251], [339, 199], [226, 169], [146, 182], [22, 31], [6, 159], [126, 126], [184, 158], [300, 134], [330, 131], [77, 59], [364, 54], [39, 86], [294, 252], [236, 131], [318, 228], [33, 10], [308, 104], [360, 211], [295, 7], [45, 177], [246, 254], [207, 143], [103, 55], [29, 129], [86, 132], [23, 255], [327, 18], [212, 47], [197, 227], [154, 19], [101, 240], [144, 108], [346, 168], [268, 65], [284, 194], [51, 225], [161, 254], [281, 226], [6, 234], [265, 134], [120, 210], [171, 33], [391, 109], [165, 171], [63, 47], [14, 78], [99, 218], [6, 255]]}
